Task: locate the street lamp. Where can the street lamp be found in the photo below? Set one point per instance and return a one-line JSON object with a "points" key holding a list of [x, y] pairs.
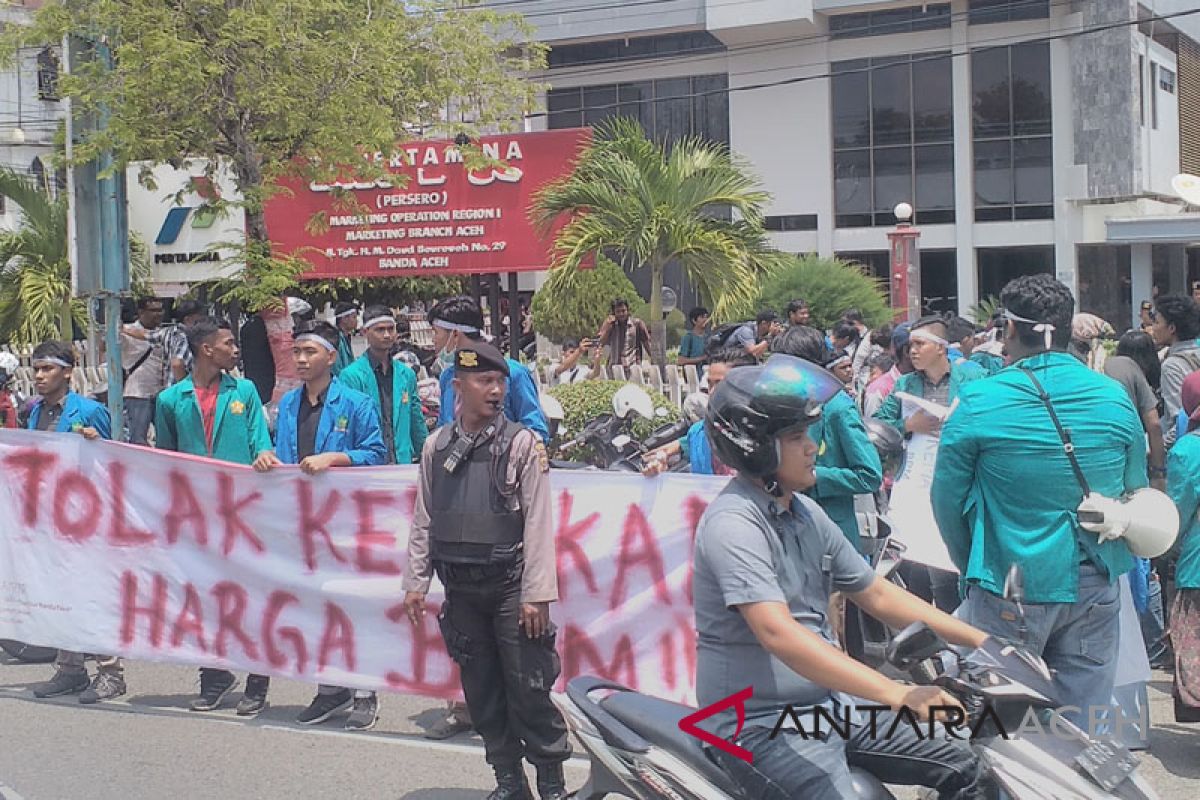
{"points": [[670, 300], [905, 256]]}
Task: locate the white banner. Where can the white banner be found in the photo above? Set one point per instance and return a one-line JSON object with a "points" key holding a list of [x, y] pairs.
{"points": [[909, 509], [115, 549]]}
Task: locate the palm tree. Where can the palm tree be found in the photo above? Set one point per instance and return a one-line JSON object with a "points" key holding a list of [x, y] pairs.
{"points": [[647, 205], [35, 273]]}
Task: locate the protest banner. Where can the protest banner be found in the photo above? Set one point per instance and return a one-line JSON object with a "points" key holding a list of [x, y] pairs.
{"points": [[909, 509], [116, 549]]}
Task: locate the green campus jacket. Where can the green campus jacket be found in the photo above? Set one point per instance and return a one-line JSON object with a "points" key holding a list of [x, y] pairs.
{"points": [[961, 373], [408, 422], [239, 433], [847, 463], [1003, 489]]}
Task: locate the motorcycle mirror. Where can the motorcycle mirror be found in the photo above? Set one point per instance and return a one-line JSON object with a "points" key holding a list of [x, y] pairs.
{"points": [[660, 412], [631, 399], [551, 407], [914, 644]]}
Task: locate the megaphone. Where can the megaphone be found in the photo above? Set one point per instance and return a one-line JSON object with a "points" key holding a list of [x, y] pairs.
{"points": [[1147, 520]]}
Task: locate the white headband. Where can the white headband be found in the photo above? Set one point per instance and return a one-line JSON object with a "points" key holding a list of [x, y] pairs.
{"points": [[312, 337], [837, 361], [346, 313], [1044, 328], [454, 326], [379, 321], [58, 362], [921, 333]]}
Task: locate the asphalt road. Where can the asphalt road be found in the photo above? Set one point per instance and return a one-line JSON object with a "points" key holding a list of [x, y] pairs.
{"points": [[148, 746]]}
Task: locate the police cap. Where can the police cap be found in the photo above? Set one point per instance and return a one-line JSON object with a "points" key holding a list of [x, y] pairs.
{"points": [[479, 356]]}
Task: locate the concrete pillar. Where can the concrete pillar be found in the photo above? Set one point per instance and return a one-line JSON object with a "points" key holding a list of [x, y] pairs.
{"points": [[1177, 269], [1141, 273], [964, 167]]}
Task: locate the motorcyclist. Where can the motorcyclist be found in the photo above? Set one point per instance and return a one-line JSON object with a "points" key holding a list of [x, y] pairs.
{"points": [[771, 554]]}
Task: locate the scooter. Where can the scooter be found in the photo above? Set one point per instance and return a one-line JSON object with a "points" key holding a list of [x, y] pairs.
{"points": [[609, 436]]}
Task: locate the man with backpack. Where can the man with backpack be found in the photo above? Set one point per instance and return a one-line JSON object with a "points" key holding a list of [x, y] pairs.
{"points": [[1175, 324]]}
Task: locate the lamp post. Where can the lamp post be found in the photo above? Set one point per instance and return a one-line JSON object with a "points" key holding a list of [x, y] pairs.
{"points": [[905, 255]]}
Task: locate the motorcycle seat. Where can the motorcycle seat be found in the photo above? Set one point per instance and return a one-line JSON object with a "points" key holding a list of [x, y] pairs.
{"points": [[657, 721]]}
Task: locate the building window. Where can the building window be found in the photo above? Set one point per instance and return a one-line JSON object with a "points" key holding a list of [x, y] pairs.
{"points": [[931, 16], [893, 139], [791, 222], [939, 276], [999, 265], [1153, 95], [642, 47], [47, 75], [668, 109], [983, 12], [1014, 177], [1166, 80], [1105, 282]]}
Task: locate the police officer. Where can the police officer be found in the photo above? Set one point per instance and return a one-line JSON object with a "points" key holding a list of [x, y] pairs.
{"points": [[483, 522]]}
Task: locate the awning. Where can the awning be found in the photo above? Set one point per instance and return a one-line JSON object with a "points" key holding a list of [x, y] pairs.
{"points": [[1165, 229]]}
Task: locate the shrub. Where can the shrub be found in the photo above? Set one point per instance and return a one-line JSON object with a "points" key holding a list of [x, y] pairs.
{"points": [[584, 401], [829, 285], [575, 303]]}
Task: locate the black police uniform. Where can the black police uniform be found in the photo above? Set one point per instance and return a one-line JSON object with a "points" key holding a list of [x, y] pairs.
{"points": [[475, 540]]}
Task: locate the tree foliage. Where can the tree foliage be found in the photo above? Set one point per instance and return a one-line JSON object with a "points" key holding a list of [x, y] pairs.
{"points": [[830, 286], [286, 87], [574, 304], [693, 203]]}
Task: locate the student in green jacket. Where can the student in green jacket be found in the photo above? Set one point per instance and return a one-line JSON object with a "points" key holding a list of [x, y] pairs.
{"points": [[212, 414], [1183, 484], [1004, 492], [847, 463], [345, 317], [391, 385]]}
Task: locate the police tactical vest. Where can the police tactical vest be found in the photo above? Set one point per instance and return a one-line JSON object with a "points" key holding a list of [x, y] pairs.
{"points": [[475, 518]]}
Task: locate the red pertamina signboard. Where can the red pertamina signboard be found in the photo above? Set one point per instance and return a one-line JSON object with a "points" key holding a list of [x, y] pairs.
{"points": [[444, 219]]}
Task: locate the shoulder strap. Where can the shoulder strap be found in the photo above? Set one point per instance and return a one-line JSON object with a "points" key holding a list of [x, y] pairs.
{"points": [[140, 361], [1063, 433]]}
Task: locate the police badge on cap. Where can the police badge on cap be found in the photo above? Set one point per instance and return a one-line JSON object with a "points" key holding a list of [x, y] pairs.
{"points": [[480, 357]]}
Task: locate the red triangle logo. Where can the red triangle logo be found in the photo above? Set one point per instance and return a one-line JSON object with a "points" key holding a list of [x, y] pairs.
{"points": [[738, 700]]}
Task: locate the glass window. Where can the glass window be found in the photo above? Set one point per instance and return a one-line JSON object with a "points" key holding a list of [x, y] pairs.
{"points": [[939, 282], [599, 103], [1031, 89], [47, 75], [710, 107], [852, 106], [1013, 153], [891, 101], [935, 178], [631, 49], [930, 16], [887, 113], [1105, 282], [852, 187], [565, 107], [990, 100], [791, 222], [672, 109], [667, 109], [933, 107], [984, 12]]}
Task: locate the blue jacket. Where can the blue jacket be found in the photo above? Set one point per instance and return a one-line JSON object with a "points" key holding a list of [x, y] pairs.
{"points": [[77, 411], [695, 443], [349, 424], [520, 399]]}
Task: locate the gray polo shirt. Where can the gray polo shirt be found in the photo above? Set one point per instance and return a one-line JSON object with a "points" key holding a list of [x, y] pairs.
{"points": [[750, 549]]}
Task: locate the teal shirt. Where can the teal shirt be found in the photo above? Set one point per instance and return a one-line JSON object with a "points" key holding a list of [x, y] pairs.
{"points": [[1003, 490], [1183, 484], [912, 383], [408, 421], [692, 345], [990, 362], [847, 463], [239, 431]]}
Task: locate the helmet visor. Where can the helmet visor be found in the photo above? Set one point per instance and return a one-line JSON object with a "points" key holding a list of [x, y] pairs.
{"points": [[791, 391]]}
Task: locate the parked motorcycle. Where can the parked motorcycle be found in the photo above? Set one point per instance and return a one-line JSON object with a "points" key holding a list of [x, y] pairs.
{"points": [[610, 436]]}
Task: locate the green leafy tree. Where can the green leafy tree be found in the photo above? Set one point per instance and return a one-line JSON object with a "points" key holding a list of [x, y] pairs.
{"points": [[829, 285], [575, 304], [273, 88], [648, 205]]}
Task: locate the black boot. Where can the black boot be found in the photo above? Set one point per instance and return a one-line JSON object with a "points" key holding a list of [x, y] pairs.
{"points": [[510, 783], [551, 784]]}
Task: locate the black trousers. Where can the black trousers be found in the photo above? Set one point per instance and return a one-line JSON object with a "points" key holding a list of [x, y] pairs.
{"points": [[506, 676]]}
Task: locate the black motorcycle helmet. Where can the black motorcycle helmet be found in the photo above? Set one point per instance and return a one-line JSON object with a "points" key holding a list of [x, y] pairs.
{"points": [[754, 405]]}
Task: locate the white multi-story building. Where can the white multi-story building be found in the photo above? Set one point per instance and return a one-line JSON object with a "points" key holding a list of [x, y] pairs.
{"points": [[1029, 135]]}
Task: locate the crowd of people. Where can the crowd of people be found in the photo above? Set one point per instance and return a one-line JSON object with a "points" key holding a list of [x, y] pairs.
{"points": [[1024, 423]]}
